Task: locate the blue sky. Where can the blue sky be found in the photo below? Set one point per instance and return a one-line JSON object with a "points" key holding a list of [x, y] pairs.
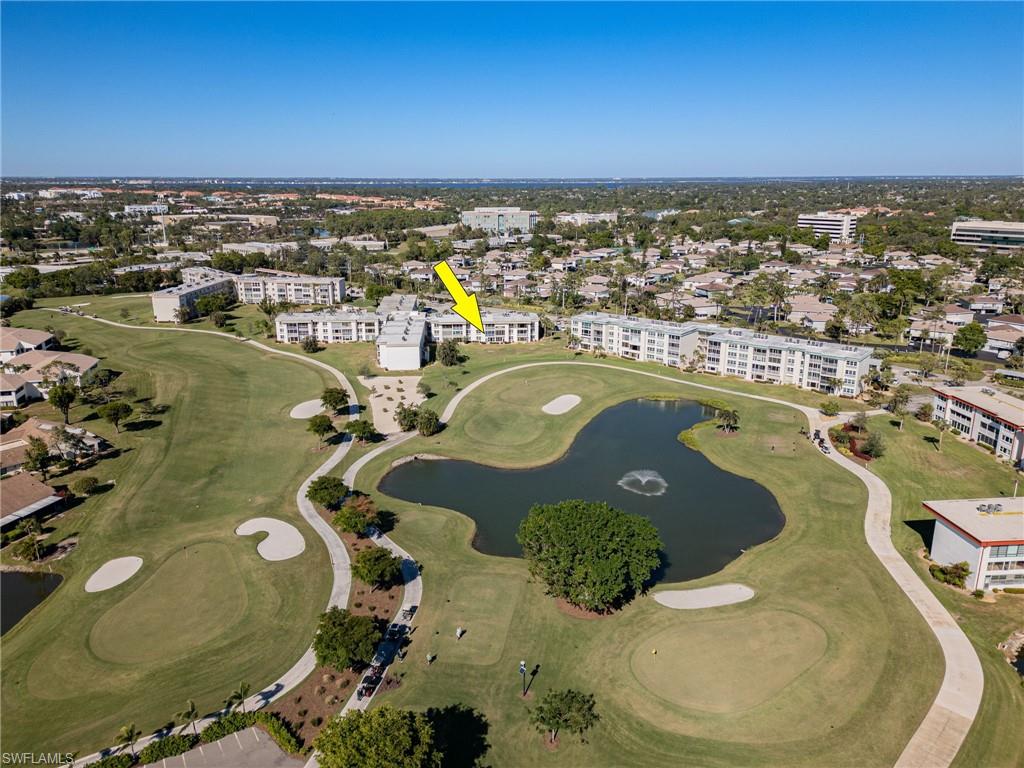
{"points": [[505, 90]]}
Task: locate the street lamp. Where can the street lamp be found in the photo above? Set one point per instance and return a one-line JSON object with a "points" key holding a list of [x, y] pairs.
{"points": [[522, 674]]}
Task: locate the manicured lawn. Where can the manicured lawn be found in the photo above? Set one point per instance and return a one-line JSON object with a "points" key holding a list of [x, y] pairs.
{"points": [[915, 471], [828, 665], [205, 612]]}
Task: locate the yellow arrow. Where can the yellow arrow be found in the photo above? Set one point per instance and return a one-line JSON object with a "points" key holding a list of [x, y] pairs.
{"points": [[465, 305]]}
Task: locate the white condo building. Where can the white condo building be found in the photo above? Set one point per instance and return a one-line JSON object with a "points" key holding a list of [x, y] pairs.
{"points": [[500, 220], [981, 235], [806, 363], [150, 209], [984, 415], [174, 304], [328, 326], [500, 327], [581, 218], [840, 227], [987, 534]]}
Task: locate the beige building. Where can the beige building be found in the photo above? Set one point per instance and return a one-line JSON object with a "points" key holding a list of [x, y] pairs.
{"points": [[985, 415], [987, 534]]}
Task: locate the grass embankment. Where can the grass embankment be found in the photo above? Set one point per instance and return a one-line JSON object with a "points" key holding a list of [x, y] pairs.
{"points": [[205, 611], [915, 471], [854, 666]]}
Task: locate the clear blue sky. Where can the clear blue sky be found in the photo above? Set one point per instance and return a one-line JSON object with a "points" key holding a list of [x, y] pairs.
{"points": [[462, 89]]}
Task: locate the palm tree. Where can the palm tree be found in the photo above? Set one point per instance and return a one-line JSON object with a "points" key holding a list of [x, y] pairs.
{"points": [[942, 426], [128, 735], [34, 529], [729, 419], [238, 696], [188, 715]]}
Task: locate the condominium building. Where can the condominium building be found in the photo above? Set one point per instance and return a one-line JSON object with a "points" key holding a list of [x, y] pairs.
{"points": [[982, 235], [985, 415], [987, 534], [175, 304], [500, 327], [295, 289], [328, 327], [14, 341], [500, 220], [402, 342], [840, 227], [806, 363], [143, 210], [581, 218]]}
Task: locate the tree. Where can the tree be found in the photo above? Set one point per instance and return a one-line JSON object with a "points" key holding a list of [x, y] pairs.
{"points": [[859, 421], [362, 430], [37, 456], [62, 396], [238, 696], [589, 553], [268, 307], [830, 407], [67, 444], [406, 417], [29, 548], [334, 398], [85, 486], [310, 345], [874, 446], [116, 411], [428, 422], [377, 567], [448, 353], [219, 319], [943, 427], [345, 640], [899, 401], [424, 389], [188, 715], [128, 735], [356, 515], [970, 338], [321, 426], [380, 738], [327, 491], [924, 412], [570, 710], [729, 419]]}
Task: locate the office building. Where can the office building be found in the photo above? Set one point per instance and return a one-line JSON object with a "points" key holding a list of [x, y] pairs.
{"points": [[840, 227], [500, 220], [987, 534], [985, 415], [985, 235]]}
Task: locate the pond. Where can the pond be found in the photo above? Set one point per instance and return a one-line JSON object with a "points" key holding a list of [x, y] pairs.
{"points": [[20, 592], [628, 456]]}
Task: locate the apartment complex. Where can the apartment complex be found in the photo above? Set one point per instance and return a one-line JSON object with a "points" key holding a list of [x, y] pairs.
{"points": [[987, 534], [982, 235], [985, 415], [500, 220], [328, 326], [840, 227], [175, 304], [402, 343], [806, 363], [141, 210], [500, 327], [581, 218]]}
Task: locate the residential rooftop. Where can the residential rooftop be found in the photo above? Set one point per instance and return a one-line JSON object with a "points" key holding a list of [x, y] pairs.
{"points": [[988, 521], [993, 401]]}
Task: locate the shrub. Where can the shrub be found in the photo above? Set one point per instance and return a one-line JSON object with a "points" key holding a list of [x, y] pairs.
{"points": [[874, 446], [427, 422], [327, 491], [978, 593], [1014, 590], [955, 574], [310, 345], [925, 412], [377, 566], [271, 722], [85, 486], [169, 746], [830, 407], [120, 760]]}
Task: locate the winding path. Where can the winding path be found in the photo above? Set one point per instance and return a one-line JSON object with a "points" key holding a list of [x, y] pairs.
{"points": [[937, 739], [939, 736]]}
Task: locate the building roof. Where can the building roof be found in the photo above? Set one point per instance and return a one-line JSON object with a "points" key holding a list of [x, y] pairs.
{"points": [[22, 495], [993, 401], [1002, 522], [38, 359], [10, 337], [12, 382]]}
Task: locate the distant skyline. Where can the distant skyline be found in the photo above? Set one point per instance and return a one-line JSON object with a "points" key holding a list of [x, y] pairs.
{"points": [[506, 90]]}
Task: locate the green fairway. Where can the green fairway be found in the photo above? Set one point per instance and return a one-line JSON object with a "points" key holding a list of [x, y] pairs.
{"points": [[916, 471], [829, 664], [205, 611]]}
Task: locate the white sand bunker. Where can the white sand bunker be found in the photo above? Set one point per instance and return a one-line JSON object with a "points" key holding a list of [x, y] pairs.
{"points": [[283, 539], [645, 482], [307, 409], [706, 597], [561, 404], [112, 573]]}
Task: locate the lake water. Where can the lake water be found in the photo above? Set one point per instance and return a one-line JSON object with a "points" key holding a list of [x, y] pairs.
{"points": [[20, 592], [628, 456]]}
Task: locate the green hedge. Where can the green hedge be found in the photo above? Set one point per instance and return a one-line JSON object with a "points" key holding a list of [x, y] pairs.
{"points": [[272, 723], [169, 746], [120, 760]]}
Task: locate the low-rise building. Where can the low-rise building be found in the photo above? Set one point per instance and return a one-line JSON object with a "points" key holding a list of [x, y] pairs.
{"points": [[328, 327], [146, 210], [581, 218], [402, 342], [500, 327], [14, 341], [14, 443], [987, 534], [294, 289], [175, 304], [33, 373], [985, 235], [986, 415], [500, 219], [21, 496]]}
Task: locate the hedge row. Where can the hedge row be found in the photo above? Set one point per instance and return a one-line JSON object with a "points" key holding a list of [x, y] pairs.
{"points": [[120, 760], [169, 746], [278, 729]]}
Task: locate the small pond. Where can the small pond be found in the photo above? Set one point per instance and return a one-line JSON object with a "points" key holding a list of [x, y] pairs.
{"points": [[20, 592], [628, 456]]}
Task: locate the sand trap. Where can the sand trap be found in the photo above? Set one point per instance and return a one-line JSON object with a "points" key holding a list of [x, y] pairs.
{"points": [[283, 539], [561, 404], [386, 394], [112, 573], [707, 597], [307, 409]]}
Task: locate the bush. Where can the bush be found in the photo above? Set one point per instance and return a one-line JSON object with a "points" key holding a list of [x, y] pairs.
{"points": [[874, 446], [955, 574], [1014, 590], [925, 412], [85, 486], [838, 436], [120, 760], [978, 593], [377, 567], [830, 407], [169, 746], [271, 722], [310, 345], [427, 422]]}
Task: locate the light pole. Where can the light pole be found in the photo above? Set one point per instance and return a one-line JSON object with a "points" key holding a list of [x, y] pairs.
{"points": [[522, 674]]}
